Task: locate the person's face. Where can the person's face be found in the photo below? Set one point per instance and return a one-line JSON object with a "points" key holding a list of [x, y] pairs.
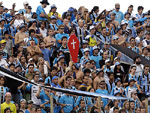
{"points": [[105, 55], [111, 77], [138, 60], [80, 23], [54, 72], [146, 70], [92, 64], [39, 111], [116, 102], [92, 31], [112, 16], [42, 45], [140, 11], [132, 105], [127, 105], [102, 84], [82, 104], [132, 41], [86, 79], [116, 111], [117, 6], [61, 30], [30, 105], [55, 81], [36, 78], [119, 83], [23, 104], [8, 111], [8, 98], [148, 37], [95, 51], [68, 81], [86, 53], [145, 51], [11, 59], [131, 9], [2, 81], [51, 32], [127, 16], [143, 110], [64, 41], [33, 33], [101, 74], [120, 31], [104, 32], [133, 70], [44, 5], [31, 69], [23, 60], [12, 68]]}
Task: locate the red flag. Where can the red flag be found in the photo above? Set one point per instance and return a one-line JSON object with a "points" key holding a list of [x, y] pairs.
{"points": [[73, 45]]}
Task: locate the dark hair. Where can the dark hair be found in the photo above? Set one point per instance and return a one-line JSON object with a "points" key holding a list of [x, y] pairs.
{"points": [[115, 108], [122, 110], [31, 31], [87, 71], [12, 64], [140, 8], [64, 37], [67, 77], [54, 68], [30, 65], [136, 58], [94, 9], [146, 66], [103, 28]]}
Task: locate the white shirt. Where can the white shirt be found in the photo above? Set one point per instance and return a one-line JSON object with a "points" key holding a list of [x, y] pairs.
{"points": [[28, 16], [18, 22], [3, 63], [145, 43], [43, 32]]}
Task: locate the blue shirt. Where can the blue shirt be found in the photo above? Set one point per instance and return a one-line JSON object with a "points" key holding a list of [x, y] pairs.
{"points": [[47, 54], [105, 101], [48, 80], [96, 59], [40, 10], [119, 16], [59, 37], [67, 100]]}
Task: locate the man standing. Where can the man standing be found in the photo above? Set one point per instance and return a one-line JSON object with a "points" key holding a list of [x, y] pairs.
{"points": [[41, 14], [119, 14]]}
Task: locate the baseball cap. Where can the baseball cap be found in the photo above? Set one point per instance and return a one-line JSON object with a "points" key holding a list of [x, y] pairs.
{"points": [[86, 49], [23, 100], [26, 2], [2, 41], [30, 102], [95, 47], [106, 61], [118, 79], [41, 80], [117, 63], [92, 27], [131, 79], [53, 6], [116, 58]]}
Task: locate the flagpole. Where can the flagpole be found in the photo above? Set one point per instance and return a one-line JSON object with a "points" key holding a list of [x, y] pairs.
{"points": [[51, 103], [99, 104]]}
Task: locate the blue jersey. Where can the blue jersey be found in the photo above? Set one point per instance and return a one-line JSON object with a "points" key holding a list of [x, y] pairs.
{"points": [[3, 91], [48, 80], [96, 59], [119, 16], [69, 100], [40, 10], [105, 101]]}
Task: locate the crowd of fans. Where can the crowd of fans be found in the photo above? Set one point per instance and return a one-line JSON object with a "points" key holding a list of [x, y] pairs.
{"points": [[34, 45]]}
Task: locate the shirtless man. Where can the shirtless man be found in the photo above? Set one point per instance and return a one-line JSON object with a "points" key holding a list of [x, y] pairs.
{"points": [[19, 37], [34, 50], [97, 79], [112, 17], [78, 74], [50, 40]]}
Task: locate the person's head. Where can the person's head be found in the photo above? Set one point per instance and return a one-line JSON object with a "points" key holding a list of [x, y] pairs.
{"points": [[36, 77], [53, 8], [132, 105], [112, 16], [127, 16], [132, 41], [31, 32], [137, 60], [31, 68], [25, 4], [7, 110], [8, 97], [137, 110], [87, 72], [82, 103], [23, 104], [104, 31], [86, 79], [140, 9], [147, 36], [95, 9], [42, 44], [32, 43], [143, 110], [111, 76], [54, 70], [86, 51], [126, 105], [64, 40], [29, 9], [38, 110], [66, 21], [134, 94], [43, 24], [50, 32], [30, 104], [6, 34], [146, 69], [105, 55], [68, 80], [20, 111], [80, 23], [118, 82], [115, 110], [92, 30], [2, 80], [116, 102], [145, 51], [44, 3], [100, 73], [12, 67], [132, 69], [95, 50], [122, 111], [55, 79], [117, 7], [130, 8], [61, 28], [92, 63], [22, 28]]}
